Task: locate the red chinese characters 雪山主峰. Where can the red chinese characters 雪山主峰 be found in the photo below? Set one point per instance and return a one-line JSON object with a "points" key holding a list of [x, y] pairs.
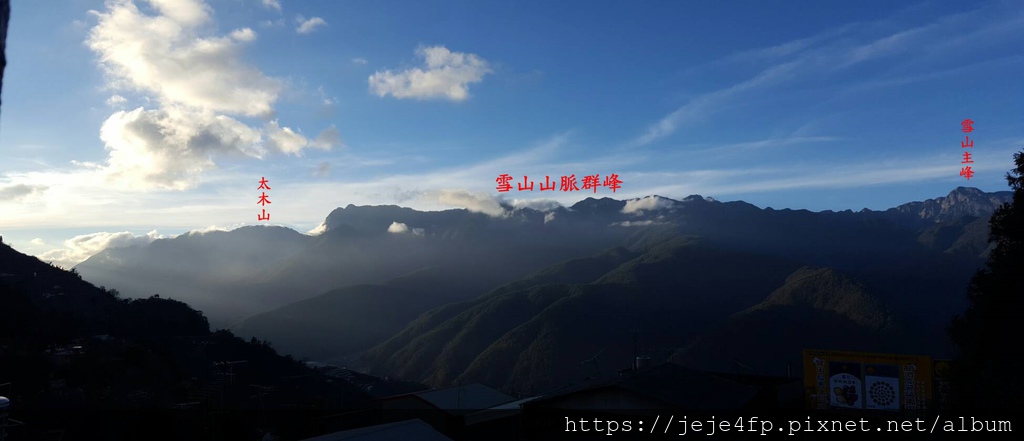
{"points": [[967, 126]]}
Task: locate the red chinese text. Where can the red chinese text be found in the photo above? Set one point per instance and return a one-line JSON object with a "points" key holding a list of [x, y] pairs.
{"points": [[264, 199], [568, 183]]}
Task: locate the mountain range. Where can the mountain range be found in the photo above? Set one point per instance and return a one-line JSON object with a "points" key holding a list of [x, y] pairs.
{"points": [[520, 300]]}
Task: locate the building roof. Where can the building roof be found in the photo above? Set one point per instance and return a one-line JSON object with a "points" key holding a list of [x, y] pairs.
{"points": [[674, 385], [461, 399], [497, 412], [400, 431]]}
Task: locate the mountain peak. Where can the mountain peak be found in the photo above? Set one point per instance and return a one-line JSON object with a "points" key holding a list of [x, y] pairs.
{"points": [[960, 202], [593, 204]]}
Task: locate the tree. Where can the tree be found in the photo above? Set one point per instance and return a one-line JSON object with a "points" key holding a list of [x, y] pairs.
{"points": [[989, 335]]}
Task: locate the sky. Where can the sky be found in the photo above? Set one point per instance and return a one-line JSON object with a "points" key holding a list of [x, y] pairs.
{"points": [[127, 121]]}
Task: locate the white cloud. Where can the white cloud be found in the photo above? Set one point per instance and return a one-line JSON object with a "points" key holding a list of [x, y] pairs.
{"points": [[320, 229], [79, 248], [116, 101], [446, 74], [198, 82], [272, 23], [286, 140], [210, 229], [168, 56], [19, 192], [310, 25], [401, 228], [475, 202], [185, 12], [37, 242], [549, 217], [636, 206], [243, 35], [169, 148], [359, 60], [272, 4]]}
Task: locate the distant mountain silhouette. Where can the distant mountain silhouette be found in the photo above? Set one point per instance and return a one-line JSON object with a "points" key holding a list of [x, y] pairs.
{"points": [[517, 301]]}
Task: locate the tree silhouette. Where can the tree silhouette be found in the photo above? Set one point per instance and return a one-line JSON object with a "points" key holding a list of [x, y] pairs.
{"points": [[985, 374]]}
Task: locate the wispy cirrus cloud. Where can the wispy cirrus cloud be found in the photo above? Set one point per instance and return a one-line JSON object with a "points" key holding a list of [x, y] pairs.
{"points": [[837, 50]]}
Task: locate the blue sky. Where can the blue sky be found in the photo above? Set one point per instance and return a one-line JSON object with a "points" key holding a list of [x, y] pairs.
{"points": [[126, 121]]}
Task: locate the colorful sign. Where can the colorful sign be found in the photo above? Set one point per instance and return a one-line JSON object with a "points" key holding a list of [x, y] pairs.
{"points": [[861, 380]]}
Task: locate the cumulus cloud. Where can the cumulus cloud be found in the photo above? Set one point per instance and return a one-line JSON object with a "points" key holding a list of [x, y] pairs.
{"points": [[166, 55], [646, 204], [359, 60], [401, 228], [272, 4], [199, 83], [475, 202], [18, 192], [445, 74], [168, 148], [79, 248], [37, 242], [310, 25]]}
